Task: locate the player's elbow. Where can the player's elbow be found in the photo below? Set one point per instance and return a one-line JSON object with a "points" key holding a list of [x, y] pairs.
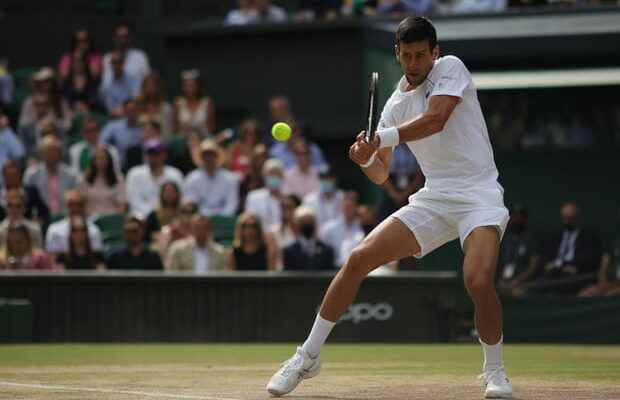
{"points": [[436, 122]]}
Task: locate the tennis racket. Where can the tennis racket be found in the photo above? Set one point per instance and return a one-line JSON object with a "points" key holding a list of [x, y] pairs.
{"points": [[373, 107]]}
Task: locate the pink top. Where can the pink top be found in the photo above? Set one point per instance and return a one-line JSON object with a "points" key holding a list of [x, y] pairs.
{"points": [[94, 61], [103, 199], [53, 194], [300, 184], [38, 259]]}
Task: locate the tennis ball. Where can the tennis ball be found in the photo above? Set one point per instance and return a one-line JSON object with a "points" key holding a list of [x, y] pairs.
{"points": [[281, 131]]}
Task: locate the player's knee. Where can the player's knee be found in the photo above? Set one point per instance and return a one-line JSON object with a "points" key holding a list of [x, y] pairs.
{"points": [[479, 284], [358, 262]]}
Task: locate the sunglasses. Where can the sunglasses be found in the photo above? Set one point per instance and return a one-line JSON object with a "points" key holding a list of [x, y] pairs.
{"points": [[14, 205]]}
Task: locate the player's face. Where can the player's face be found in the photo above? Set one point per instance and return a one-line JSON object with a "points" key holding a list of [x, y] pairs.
{"points": [[416, 60]]}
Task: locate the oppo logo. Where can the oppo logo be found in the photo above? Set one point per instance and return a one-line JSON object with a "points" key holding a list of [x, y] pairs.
{"points": [[361, 312]]}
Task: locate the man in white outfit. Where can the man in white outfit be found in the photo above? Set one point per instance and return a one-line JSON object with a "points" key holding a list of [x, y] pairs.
{"points": [[435, 111]]}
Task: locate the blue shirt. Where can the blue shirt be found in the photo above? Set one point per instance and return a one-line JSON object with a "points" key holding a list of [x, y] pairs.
{"points": [[11, 148], [118, 134], [281, 151], [115, 92]]}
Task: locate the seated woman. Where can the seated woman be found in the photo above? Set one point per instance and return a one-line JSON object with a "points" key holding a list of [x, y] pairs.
{"points": [[165, 212], [284, 233], [18, 253], [80, 255], [103, 186], [253, 250], [179, 228], [240, 151]]}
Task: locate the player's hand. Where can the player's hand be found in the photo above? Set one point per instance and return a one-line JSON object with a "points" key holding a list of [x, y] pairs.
{"points": [[361, 151]]}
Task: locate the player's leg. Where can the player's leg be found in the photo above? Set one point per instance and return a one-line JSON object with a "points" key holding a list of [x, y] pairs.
{"points": [[481, 248], [389, 241]]}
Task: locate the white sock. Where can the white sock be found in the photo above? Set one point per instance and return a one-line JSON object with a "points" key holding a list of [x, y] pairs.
{"points": [[318, 335], [492, 355]]}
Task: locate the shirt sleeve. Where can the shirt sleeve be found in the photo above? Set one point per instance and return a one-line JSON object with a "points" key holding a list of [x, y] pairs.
{"points": [[451, 78], [232, 198]]}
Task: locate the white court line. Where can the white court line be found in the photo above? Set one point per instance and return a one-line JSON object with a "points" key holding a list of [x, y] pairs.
{"points": [[110, 391]]}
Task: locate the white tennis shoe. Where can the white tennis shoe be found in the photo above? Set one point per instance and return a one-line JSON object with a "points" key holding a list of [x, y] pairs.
{"points": [[297, 368], [496, 384]]}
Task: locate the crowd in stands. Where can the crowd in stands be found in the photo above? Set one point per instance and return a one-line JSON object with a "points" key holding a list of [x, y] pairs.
{"points": [[573, 259], [266, 11], [101, 171]]}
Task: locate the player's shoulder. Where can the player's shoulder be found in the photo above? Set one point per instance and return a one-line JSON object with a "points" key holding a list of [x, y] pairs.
{"points": [[448, 63]]}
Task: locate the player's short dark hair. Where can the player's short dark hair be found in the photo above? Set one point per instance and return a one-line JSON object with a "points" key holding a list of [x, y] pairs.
{"points": [[416, 29]]}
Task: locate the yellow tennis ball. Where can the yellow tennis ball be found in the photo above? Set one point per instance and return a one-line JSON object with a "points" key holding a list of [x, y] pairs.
{"points": [[281, 131]]}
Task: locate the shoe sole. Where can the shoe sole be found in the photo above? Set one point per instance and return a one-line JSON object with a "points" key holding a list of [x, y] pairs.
{"points": [[310, 374], [495, 395]]}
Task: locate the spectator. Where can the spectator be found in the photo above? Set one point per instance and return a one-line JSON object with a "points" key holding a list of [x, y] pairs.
{"points": [[80, 255], [327, 201], [516, 249], [167, 210], [307, 252], [11, 148], [193, 112], [119, 88], [265, 202], [268, 12], [144, 181], [284, 233], [135, 254], [81, 153], [102, 185], [16, 207], [44, 118], [240, 151], [51, 177], [80, 88], [153, 104], [609, 272], [243, 15], [151, 131], [568, 260], [81, 47], [36, 209], [473, 6], [57, 236], [179, 228], [285, 151], [135, 61], [303, 178], [254, 178], [405, 179], [7, 85], [125, 132], [310, 10], [367, 218], [399, 7], [214, 189], [252, 249], [345, 232], [44, 83], [199, 253], [280, 110], [18, 253]]}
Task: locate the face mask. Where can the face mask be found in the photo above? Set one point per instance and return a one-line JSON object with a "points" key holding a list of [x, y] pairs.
{"points": [[327, 186], [307, 231], [273, 182]]}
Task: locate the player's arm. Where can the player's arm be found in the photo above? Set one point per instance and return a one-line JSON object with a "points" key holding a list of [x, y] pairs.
{"points": [[375, 163], [426, 124]]}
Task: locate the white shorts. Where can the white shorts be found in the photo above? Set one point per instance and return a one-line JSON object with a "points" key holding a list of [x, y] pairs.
{"points": [[438, 217]]}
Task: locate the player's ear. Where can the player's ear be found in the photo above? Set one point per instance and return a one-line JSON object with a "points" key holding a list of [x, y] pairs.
{"points": [[436, 51], [396, 50]]}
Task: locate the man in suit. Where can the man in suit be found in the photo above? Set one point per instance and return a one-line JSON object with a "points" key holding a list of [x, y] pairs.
{"points": [[199, 252], [568, 260], [307, 252]]}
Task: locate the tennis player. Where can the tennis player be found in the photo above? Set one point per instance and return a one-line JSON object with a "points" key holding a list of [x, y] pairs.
{"points": [[435, 111]]}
